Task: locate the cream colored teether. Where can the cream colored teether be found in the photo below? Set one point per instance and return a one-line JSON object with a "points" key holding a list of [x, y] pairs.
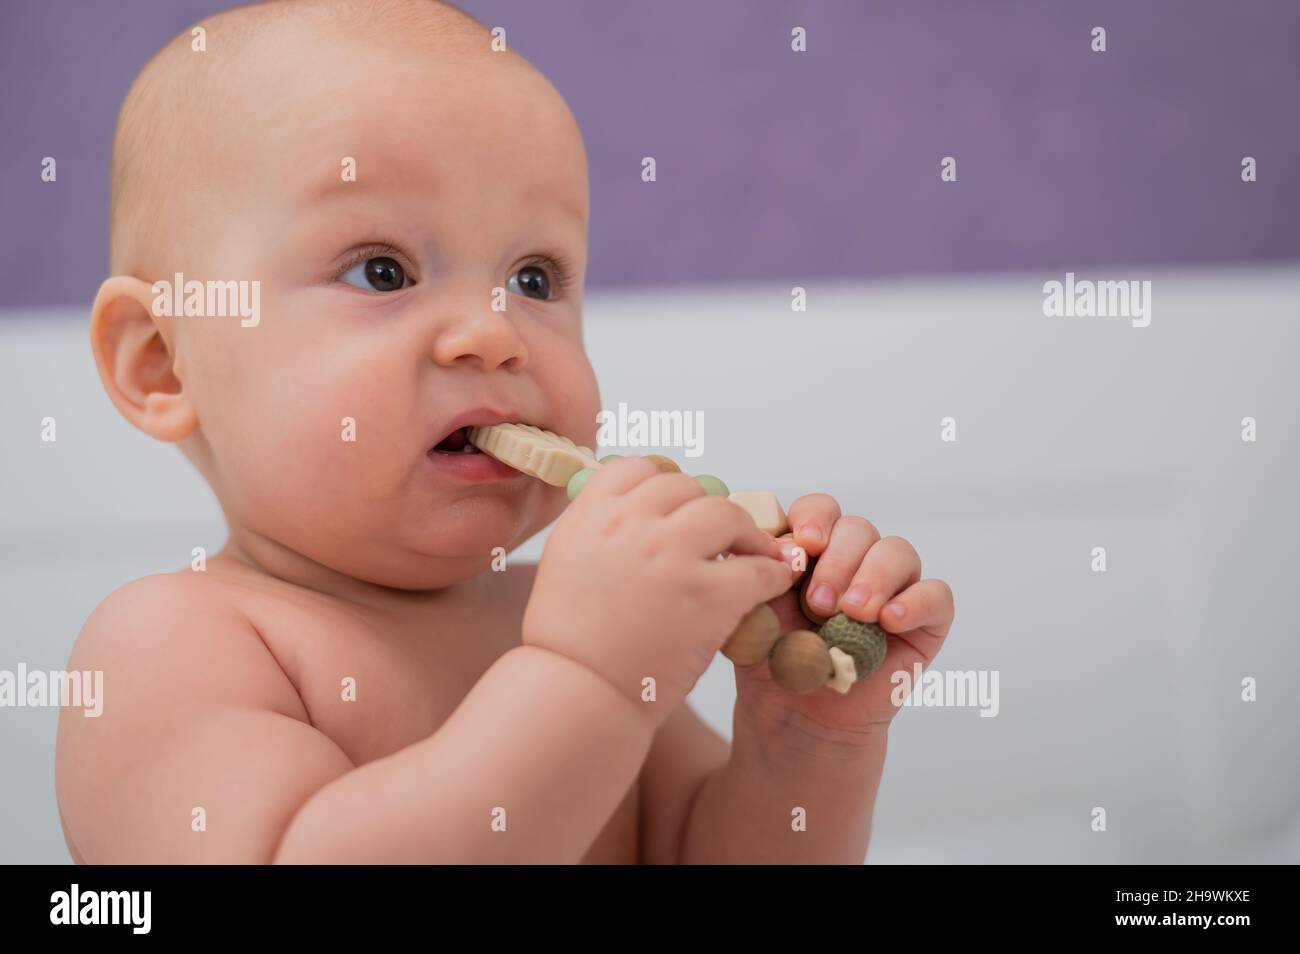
{"points": [[542, 454]]}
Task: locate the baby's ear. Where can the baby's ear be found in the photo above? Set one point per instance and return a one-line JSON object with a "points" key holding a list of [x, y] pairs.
{"points": [[136, 361]]}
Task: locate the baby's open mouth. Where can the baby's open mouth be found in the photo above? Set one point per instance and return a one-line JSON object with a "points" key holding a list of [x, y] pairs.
{"points": [[457, 442], [511, 447]]}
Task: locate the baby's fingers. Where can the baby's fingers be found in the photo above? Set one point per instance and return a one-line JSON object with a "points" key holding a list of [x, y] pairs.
{"points": [[891, 565], [812, 517], [851, 542], [713, 525], [926, 607], [752, 579], [618, 477]]}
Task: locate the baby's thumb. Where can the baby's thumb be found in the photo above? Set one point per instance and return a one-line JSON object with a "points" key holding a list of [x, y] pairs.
{"points": [[754, 579]]}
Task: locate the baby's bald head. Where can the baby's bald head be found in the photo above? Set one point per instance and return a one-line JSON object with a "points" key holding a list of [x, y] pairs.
{"points": [[169, 143]]}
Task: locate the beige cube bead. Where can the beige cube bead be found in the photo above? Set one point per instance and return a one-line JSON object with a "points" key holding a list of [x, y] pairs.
{"points": [[765, 508]]}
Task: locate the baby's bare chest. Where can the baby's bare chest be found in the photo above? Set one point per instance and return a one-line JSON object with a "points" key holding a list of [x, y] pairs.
{"points": [[377, 687], [377, 684]]}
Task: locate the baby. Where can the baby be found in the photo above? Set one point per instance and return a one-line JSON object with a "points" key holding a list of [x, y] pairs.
{"points": [[348, 680]]}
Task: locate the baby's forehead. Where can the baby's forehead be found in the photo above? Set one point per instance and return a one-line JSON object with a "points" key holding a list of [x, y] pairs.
{"points": [[418, 121], [294, 97], [339, 88]]}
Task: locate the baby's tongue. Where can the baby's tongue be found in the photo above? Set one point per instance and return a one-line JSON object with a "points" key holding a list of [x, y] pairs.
{"points": [[455, 441]]}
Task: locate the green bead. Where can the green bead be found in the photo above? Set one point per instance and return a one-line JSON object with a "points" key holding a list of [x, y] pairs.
{"points": [[578, 481], [865, 642], [608, 457], [712, 486]]}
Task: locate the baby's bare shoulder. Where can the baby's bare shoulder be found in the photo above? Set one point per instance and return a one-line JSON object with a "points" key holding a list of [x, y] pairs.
{"points": [[173, 632], [163, 592], [189, 693]]}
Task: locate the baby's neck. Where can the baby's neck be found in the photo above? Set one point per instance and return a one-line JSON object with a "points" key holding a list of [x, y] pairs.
{"points": [[271, 559]]}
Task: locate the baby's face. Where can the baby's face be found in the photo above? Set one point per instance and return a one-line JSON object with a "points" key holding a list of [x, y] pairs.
{"points": [[376, 301]]}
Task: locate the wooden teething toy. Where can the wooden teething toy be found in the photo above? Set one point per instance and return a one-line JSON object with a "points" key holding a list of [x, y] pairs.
{"points": [[840, 653]]}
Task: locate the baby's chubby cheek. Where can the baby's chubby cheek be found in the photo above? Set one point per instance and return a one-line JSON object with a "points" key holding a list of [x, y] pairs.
{"points": [[311, 440], [573, 396]]}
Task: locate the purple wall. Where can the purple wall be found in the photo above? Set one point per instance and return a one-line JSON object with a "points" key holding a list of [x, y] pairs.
{"points": [[780, 165]]}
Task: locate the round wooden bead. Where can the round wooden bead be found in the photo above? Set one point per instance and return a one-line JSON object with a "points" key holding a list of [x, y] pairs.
{"points": [[665, 464], [713, 486], [801, 661], [578, 481], [754, 638]]}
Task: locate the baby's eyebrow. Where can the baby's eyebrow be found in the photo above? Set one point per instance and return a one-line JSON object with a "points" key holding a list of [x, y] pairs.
{"points": [[334, 183], [547, 197], [331, 184], [575, 211]]}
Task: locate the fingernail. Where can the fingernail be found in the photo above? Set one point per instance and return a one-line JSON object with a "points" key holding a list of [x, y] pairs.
{"points": [[823, 598], [810, 532], [896, 610], [858, 594], [787, 549]]}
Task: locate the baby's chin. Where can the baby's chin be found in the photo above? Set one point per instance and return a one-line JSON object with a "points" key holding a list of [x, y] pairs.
{"points": [[413, 572], [442, 547], [394, 566]]}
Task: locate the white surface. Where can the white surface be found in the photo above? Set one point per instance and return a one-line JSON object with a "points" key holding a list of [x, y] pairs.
{"points": [[1118, 690]]}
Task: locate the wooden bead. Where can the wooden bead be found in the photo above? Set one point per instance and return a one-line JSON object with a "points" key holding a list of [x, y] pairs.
{"points": [[754, 638], [801, 661], [665, 464], [808, 611]]}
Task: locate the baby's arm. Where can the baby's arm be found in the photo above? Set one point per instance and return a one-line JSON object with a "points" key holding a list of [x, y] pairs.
{"points": [[785, 797], [685, 753], [707, 802], [199, 715]]}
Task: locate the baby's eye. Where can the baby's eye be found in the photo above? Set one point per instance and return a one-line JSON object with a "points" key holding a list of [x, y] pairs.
{"points": [[533, 282], [376, 274]]}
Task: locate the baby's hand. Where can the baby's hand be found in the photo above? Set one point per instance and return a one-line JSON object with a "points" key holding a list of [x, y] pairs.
{"points": [[867, 578], [629, 586]]}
